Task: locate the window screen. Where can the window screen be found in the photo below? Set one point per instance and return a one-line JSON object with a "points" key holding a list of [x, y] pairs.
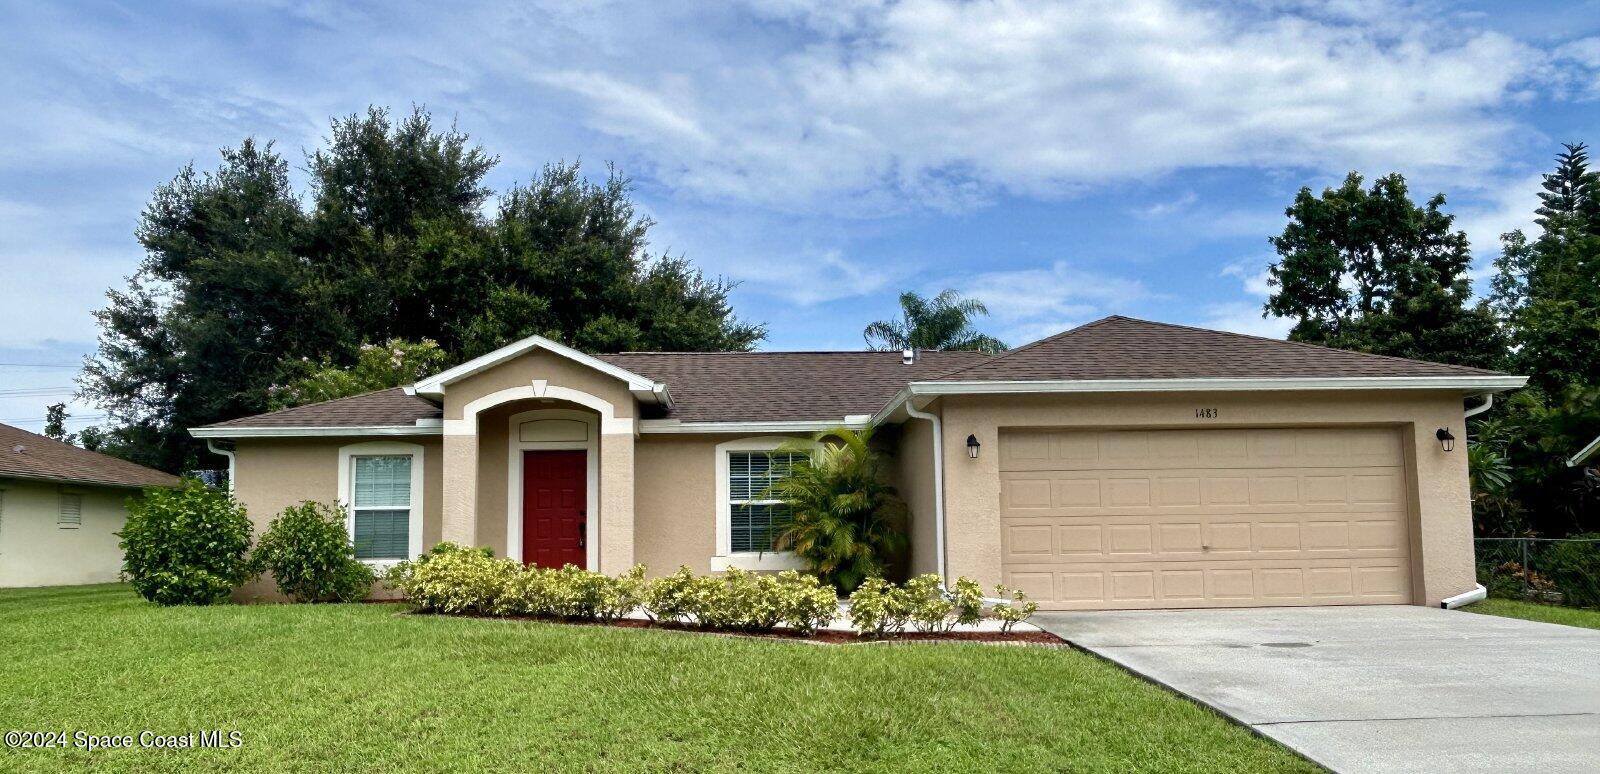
{"points": [[381, 507], [755, 519]]}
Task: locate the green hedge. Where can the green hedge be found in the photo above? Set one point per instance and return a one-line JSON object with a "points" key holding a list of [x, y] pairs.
{"points": [[308, 551], [453, 579], [186, 545]]}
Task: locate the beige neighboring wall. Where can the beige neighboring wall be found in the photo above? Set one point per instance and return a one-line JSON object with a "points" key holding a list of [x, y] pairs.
{"points": [[1441, 511], [913, 466], [35, 551], [271, 474]]}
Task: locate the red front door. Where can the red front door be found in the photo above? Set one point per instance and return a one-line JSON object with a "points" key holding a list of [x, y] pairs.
{"points": [[554, 507]]}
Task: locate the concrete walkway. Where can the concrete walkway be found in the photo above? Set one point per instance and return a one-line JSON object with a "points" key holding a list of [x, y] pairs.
{"points": [[1374, 689]]}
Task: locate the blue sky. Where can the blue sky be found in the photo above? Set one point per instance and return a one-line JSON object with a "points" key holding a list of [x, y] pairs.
{"points": [[1060, 161]]}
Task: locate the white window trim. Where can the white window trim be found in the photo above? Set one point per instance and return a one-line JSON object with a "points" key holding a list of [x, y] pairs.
{"points": [[347, 455], [591, 449], [725, 557]]}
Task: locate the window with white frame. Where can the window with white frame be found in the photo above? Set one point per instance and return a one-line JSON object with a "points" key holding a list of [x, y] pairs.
{"points": [[755, 518], [380, 506]]}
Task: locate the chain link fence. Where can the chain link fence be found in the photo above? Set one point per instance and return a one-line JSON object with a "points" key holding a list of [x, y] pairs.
{"points": [[1562, 571]]}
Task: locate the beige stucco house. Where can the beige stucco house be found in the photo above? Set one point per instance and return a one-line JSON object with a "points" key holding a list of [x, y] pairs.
{"points": [[1121, 464], [60, 510]]}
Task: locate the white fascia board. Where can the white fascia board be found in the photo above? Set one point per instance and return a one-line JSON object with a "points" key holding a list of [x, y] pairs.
{"points": [[1467, 385], [1584, 454], [802, 426], [434, 386], [436, 428]]}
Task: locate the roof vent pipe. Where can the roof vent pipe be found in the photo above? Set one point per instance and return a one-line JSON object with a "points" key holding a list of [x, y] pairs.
{"points": [[908, 356]]}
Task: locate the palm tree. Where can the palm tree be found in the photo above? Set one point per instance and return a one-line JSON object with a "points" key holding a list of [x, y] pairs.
{"points": [[942, 322], [847, 522]]}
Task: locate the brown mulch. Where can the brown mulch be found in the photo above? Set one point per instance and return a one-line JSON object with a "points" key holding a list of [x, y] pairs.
{"points": [[822, 637]]}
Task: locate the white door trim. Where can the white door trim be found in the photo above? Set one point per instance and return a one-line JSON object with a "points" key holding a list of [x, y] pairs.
{"points": [[590, 445]]}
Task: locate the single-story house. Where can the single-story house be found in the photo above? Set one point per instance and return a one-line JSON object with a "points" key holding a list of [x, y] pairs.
{"points": [[60, 510], [1120, 464]]}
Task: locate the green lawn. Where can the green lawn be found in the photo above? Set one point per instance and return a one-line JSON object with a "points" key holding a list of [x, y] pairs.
{"points": [[345, 687], [1533, 611]]}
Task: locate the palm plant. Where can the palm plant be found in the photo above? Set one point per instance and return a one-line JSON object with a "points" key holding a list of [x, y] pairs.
{"points": [[941, 322], [847, 523]]}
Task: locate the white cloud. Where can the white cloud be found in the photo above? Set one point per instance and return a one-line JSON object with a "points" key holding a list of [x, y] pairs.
{"points": [[1029, 304], [942, 101], [1244, 317], [1165, 208]]}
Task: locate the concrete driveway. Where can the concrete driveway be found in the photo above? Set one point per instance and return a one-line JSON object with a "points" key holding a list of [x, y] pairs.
{"points": [[1374, 689]]}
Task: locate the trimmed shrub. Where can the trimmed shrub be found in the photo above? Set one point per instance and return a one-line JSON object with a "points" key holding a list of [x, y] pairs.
{"points": [[968, 601], [185, 546], [808, 604], [454, 579], [1574, 569], [930, 607], [1016, 611], [672, 597], [308, 551], [878, 607]]}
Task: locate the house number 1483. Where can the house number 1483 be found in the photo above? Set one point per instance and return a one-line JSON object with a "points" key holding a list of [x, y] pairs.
{"points": [[1205, 413]]}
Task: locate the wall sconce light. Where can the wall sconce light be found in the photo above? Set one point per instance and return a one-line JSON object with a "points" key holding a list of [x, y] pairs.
{"points": [[972, 447], [1446, 440]]}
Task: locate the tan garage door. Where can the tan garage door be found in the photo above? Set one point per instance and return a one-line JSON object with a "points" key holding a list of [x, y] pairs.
{"points": [[1205, 518]]}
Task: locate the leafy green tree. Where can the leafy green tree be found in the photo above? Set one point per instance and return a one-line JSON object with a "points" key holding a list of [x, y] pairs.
{"points": [[244, 286], [1546, 288], [55, 422], [848, 522], [1367, 269], [943, 322], [222, 299], [395, 363]]}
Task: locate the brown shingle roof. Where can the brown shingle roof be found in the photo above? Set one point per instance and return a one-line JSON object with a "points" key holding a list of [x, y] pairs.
{"points": [[828, 386], [28, 455], [783, 386], [1125, 348], [384, 407]]}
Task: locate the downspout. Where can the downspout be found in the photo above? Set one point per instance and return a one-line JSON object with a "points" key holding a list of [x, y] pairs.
{"points": [[1478, 592], [938, 498], [212, 446], [938, 484]]}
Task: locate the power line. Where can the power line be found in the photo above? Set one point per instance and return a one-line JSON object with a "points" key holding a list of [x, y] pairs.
{"points": [[37, 391], [38, 365]]}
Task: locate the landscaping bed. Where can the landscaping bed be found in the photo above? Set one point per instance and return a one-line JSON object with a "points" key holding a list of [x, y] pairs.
{"points": [[828, 636]]}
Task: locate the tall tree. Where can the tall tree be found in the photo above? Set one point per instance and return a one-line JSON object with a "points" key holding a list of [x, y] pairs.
{"points": [[221, 300], [243, 286], [1367, 269], [941, 322], [1548, 289]]}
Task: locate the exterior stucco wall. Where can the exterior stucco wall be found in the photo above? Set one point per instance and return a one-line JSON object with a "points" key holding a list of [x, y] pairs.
{"points": [[34, 551], [538, 364], [913, 466], [273, 474], [1437, 480], [475, 447], [675, 502]]}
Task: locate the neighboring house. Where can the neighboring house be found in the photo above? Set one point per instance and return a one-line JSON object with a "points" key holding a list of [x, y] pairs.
{"points": [[1121, 464], [60, 510]]}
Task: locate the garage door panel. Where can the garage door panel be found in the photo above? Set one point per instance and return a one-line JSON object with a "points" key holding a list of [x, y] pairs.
{"points": [[1187, 518], [1212, 584]]}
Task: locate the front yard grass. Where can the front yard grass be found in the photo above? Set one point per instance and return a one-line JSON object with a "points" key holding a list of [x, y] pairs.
{"points": [[364, 687], [1534, 611]]}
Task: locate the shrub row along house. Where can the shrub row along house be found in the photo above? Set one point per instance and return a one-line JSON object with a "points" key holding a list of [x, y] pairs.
{"points": [[1121, 464], [60, 510]]}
